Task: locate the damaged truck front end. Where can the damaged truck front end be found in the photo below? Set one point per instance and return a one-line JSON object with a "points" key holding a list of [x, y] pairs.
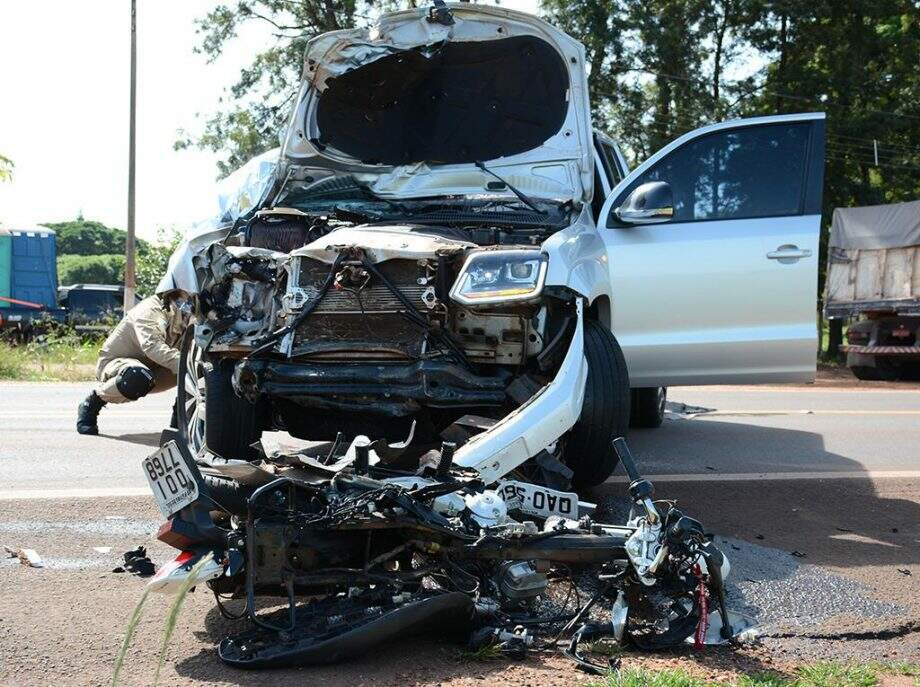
{"points": [[395, 286], [379, 330]]}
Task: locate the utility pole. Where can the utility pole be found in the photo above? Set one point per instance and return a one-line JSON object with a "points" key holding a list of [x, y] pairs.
{"points": [[132, 135]]}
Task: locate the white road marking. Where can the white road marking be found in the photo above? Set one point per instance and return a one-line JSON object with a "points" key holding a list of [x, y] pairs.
{"points": [[54, 414], [775, 476], [89, 493], [804, 389]]}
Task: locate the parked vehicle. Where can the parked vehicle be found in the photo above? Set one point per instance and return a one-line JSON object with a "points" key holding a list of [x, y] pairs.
{"points": [[28, 279], [93, 307], [873, 276], [29, 293], [435, 243]]}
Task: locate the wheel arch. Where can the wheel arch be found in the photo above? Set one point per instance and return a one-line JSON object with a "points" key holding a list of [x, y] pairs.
{"points": [[601, 310]]}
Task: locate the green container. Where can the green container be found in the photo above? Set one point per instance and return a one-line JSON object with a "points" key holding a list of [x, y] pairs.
{"points": [[6, 266]]}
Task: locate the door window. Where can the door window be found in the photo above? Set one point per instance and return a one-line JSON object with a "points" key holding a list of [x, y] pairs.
{"points": [[743, 173]]}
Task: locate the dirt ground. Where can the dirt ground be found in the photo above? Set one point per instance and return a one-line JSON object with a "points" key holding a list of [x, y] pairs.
{"points": [[839, 376]]}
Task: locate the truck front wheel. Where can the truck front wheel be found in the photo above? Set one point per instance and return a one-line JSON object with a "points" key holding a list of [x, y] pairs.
{"points": [[232, 423], [604, 412], [648, 406]]}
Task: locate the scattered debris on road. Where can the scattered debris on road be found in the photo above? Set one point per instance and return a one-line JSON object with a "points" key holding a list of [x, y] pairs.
{"points": [[137, 562], [28, 557]]}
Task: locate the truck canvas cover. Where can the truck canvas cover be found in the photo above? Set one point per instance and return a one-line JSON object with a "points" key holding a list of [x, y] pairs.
{"points": [[872, 261], [877, 226]]}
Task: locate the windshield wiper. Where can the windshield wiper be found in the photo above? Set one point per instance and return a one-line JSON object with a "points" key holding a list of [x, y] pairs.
{"points": [[524, 199]]}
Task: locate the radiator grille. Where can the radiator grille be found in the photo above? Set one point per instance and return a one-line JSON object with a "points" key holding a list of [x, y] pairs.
{"points": [[373, 298], [376, 297]]}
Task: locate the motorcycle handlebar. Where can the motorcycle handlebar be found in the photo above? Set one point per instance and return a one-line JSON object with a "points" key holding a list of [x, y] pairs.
{"points": [[621, 448]]}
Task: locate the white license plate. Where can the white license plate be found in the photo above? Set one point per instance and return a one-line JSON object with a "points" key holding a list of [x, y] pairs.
{"points": [[538, 501], [170, 479]]}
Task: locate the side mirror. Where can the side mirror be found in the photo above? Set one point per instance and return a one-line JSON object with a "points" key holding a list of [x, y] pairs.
{"points": [[649, 203]]}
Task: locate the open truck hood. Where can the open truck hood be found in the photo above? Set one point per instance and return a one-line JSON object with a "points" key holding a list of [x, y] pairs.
{"points": [[408, 106]]}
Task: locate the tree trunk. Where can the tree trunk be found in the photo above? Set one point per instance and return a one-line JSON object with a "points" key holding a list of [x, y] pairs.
{"points": [[834, 337], [781, 69]]}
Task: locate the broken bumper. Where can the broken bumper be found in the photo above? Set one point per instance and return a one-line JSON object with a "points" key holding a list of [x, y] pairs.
{"points": [[538, 423], [390, 390]]}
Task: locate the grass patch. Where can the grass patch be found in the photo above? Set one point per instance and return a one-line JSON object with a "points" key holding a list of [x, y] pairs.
{"points": [[642, 677], [489, 652], [129, 635], [831, 674], [169, 627], [58, 356], [604, 648], [823, 674]]}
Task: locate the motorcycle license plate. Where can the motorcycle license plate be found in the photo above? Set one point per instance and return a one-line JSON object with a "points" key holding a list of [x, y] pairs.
{"points": [[170, 479], [538, 501]]}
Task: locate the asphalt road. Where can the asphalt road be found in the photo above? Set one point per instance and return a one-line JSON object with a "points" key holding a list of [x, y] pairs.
{"points": [[749, 433], [814, 493]]}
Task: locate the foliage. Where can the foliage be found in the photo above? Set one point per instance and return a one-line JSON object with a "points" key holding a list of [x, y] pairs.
{"points": [[58, 355], [6, 168], [91, 269], [261, 99], [822, 674], [76, 267], [151, 264], [173, 616], [88, 237], [129, 635]]}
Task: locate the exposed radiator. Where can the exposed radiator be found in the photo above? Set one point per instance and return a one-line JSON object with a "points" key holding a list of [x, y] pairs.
{"points": [[374, 297]]}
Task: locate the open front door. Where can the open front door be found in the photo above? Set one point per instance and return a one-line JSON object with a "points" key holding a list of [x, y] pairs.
{"points": [[722, 289]]}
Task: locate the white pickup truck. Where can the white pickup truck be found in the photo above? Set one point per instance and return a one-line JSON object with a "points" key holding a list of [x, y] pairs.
{"points": [[444, 237]]}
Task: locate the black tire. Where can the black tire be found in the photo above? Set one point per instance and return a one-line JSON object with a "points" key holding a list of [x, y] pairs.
{"points": [[604, 412], [227, 495], [231, 423], [887, 373], [648, 404]]}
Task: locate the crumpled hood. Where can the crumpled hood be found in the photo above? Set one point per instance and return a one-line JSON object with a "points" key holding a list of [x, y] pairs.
{"points": [[380, 243], [408, 105]]}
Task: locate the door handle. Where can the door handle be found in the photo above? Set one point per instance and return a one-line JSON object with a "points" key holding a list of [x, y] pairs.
{"points": [[788, 253]]}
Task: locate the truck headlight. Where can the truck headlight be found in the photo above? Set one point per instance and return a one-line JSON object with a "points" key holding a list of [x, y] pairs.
{"points": [[500, 276]]}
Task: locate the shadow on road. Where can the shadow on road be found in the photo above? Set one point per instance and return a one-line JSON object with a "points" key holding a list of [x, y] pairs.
{"points": [[848, 522], [418, 660], [142, 438]]}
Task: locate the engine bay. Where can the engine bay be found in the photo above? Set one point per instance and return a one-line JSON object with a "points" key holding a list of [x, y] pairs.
{"points": [[323, 315]]}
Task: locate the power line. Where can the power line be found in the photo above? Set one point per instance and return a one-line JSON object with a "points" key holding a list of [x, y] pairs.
{"points": [[777, 94], [687, 122]]}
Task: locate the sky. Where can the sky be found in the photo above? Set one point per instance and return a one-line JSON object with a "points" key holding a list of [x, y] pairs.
{"points": [[64, 89]]}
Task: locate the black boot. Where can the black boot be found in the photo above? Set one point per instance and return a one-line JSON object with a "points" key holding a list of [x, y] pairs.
{"points": [[87, 413]]}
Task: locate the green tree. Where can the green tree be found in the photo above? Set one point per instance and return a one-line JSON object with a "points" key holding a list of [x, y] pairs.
{"points": [[264, 93], [857, 61], [151, 265], [6, 168], [91, 269], [88, 237]]}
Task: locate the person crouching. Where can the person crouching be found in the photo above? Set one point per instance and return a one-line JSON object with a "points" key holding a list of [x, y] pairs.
{"points": [[140, 356]]}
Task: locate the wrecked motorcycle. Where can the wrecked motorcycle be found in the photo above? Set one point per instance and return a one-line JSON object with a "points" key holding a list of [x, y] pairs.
{"points": [[358, 551]]}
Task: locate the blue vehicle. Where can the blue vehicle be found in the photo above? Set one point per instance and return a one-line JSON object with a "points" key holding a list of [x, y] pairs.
{"points": [[28, 279]]}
